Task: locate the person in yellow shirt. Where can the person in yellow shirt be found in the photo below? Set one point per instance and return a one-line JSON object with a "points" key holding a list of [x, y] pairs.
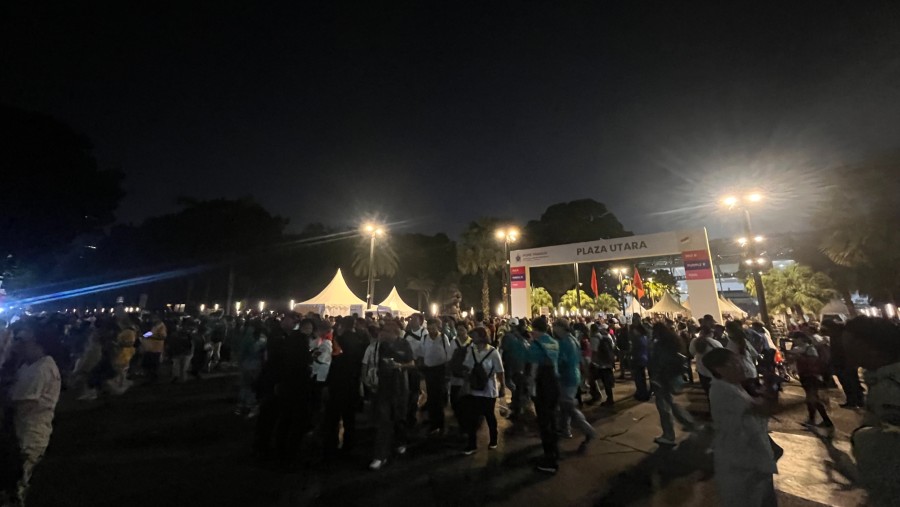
{"points": [[152, 346], [120, 359]]}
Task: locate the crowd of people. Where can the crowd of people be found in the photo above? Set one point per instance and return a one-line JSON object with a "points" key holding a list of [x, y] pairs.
{"points": [[306, 378]]}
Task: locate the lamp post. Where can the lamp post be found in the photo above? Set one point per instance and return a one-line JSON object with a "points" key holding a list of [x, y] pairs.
{"points": [[755, 261], [621, 272], [372, 230], [508, 235]]}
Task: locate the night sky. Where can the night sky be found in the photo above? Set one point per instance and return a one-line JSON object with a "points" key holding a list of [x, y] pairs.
{"points": [[434, 114]]}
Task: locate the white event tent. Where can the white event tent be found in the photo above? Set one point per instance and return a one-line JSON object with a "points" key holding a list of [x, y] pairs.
{"points": [[396, 303], [668, 305], [634, 307], [335, 299]]}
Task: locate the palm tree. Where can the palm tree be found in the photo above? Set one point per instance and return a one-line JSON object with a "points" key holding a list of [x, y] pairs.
{"points": [[607, 303], [539, 298], [479, 253], [569, 302], [385, 261], [423, 287], [795, 289]]}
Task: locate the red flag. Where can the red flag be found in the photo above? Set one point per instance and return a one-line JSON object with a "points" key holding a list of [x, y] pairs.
{"points": [[594, 283], [638, 284]]}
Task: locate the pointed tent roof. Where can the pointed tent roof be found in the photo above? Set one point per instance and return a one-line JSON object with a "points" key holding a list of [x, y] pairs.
{"points": [[728, 306], [687, 304], [396, 303], [667, 304], [635, 307], [336, 297]]}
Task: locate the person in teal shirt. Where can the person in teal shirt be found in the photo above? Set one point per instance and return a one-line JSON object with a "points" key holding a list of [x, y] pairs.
{"points": [[543, 353], [570, 380]]}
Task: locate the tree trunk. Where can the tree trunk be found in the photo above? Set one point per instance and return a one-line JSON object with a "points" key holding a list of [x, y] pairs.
{"points": [[485, 294]]}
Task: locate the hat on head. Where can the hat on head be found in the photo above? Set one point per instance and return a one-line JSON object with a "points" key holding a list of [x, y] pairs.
{"points": [[513, 321]]}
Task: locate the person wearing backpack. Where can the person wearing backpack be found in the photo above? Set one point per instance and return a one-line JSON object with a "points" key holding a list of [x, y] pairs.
{"points": [[485, 374], [543, 354], [810, 366], [459, 348], [603, 360], [666, 368]]}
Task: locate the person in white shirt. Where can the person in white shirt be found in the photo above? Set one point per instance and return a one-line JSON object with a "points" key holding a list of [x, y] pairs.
{"points": [[482, 400], [434, 354], [703, 343], [744, 460], [33, 397]]}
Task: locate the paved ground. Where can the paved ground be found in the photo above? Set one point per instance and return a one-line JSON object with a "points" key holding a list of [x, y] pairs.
{"points": [[180, 445]]}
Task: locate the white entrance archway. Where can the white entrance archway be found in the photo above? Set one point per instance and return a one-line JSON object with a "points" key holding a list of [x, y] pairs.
{"points": [[692, 246]]}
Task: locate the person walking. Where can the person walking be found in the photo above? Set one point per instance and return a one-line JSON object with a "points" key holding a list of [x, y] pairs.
{"points": [[512, 351], [847, 374], [33, 397], [459, 348], [414, 334], [392, 357], [639, 357], [666, 370], [570, 381], [603, 360], [810, 367], [699, 346], [343, 387], [152, 347], [543, 354], [435, 355], [485, 374], [744, 459]]}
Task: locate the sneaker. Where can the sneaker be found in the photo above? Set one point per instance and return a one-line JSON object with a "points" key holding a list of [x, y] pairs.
{"points": [[664, 441], [607, 403], [401, 450], [468, 451], [492, 446], [547, 468], [828, 425], [377, 464], [253, 413]]}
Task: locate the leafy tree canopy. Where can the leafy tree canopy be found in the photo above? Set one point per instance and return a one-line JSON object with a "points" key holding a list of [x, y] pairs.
{"points": [[796, 289]]}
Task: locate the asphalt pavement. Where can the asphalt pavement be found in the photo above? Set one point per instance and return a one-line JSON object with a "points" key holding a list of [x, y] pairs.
{"points": [[180, 444]]}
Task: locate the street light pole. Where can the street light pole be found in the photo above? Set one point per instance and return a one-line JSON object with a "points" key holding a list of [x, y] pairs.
{"points": [[757, 276], [507, 235], [372, 230], [371, 271], [741, 202]]}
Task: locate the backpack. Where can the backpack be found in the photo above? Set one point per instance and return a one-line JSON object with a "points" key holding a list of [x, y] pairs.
{"points": [[457, 359], [370, 380], [478, 378]]}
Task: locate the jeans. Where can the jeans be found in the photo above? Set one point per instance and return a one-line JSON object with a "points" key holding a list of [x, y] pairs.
{"points": [[641, 391], [390, 421], [668, 408], [480, 406], [569, 415], [343, 398], [436, 389], [180, 365], [285, 415], [545, 403], [519, 396], [415, 390], [849, 378], [604, 376]]}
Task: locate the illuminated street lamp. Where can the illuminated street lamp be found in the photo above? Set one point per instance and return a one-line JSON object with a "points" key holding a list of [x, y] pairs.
{"points": [[742, 202], [507, 235], [262, 306], [373, 230], [237, 307], [291, 308]]}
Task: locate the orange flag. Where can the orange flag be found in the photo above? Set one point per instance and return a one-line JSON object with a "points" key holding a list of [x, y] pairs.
{"points": [[638, 284]]}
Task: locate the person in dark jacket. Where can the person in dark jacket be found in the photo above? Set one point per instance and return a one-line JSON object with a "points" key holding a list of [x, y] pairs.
{"points": [[343, 386], [285, 389], [666, 368], [640, 355]]}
